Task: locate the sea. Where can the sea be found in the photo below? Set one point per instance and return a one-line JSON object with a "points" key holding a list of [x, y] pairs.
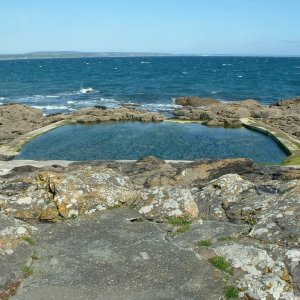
{"points": [[64, 85]]}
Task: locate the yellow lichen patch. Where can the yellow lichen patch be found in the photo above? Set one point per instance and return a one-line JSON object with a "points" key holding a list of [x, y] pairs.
{"points": [[285, 276], [7, 243], [49, 214], [269, 286], [63, 210], [25, 214]]}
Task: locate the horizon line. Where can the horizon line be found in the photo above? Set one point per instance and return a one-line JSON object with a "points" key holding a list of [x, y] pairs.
{"points": [[95, 54]]}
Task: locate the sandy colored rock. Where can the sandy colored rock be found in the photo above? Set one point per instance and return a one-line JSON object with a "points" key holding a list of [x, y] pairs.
{"points": [[195, 101]]}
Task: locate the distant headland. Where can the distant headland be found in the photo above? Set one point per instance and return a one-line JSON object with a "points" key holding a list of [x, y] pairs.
{"points": [[77, 54]]}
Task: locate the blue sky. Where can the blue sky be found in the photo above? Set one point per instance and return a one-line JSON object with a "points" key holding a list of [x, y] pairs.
{"points": [[263, 27]]}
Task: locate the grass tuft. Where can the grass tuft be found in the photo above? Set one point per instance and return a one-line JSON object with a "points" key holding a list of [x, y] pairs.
{"points": [[231, 292], [182, 224], [205, 243], [177, 221], [183, 228], [114, 206], [34, 255], [222, 264], [29, 240], [27, 270]]}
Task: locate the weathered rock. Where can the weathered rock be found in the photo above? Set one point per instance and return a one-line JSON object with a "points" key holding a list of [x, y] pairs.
{"points": [[96, 114], [109, 256], [264, 277], [160, 202], [249, 213], [195, 101], [284, 115], [14, 253], [17, 119]]}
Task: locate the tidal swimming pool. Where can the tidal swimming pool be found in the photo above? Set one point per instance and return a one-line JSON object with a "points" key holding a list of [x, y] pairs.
{"points": [[166, 140]]}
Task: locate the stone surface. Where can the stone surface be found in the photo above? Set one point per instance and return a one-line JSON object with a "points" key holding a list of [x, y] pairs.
{"points": [[195, 101], [284, 115], [17, 119], [250, 215], [14, 253], [110, 257]]}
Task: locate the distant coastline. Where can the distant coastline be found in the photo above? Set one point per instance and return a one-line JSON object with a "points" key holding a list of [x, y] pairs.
{"points": [[78, 54]]}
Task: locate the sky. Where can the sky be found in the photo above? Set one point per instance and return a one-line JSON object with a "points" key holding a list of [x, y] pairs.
{"points": [[249, 27]]}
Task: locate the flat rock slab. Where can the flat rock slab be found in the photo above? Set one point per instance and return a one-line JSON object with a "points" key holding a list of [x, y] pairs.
{"points": [[116, 255]]}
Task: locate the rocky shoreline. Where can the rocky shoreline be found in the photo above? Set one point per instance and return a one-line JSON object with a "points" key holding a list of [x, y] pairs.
{"points": [[280, 120], [150, 229]]}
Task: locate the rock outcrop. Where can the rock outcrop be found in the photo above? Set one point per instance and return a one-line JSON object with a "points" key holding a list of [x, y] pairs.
{"points": [[245, 214], [18, 119], [195, 101], [284, 115]]}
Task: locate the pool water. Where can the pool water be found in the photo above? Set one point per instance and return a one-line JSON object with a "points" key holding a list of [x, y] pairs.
{"points": [[166, 140]]}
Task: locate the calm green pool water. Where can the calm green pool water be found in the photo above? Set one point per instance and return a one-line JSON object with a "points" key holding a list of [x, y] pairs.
{"points": [[167, 140]]}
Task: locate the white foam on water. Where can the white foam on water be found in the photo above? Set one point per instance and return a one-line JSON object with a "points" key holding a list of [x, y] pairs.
{"points": [[2, 98], [70, 102], [160, 107], [50, 107], [40, 66], [226, 64], [184, 72], [109, 100], [52, 96], [86, 90], [240, 76], [145, 62]]}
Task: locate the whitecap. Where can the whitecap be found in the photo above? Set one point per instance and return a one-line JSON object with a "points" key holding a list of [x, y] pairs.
{"points": [[70, 102], [86, 90], [184, 72], [226, 64], [109, 100], [52, 96], [214, 92], [145, 62], [160, 107], [115, 68], [40, 66], [50, 107], [2, 98], [240, 76]]}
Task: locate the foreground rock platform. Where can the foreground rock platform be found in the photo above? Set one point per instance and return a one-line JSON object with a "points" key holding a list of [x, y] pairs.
{"points": [[150, 229], [108, 256]]}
